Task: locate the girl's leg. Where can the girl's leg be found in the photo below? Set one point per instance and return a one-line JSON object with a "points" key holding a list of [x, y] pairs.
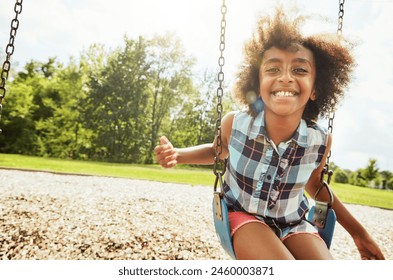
{"points": [[257, 241], [307, 246]]}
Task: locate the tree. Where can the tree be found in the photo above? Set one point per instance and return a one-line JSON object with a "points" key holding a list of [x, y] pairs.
{"points": [[26, 107], [17, 121], [63, 133], [387, 179], [115, 105], [356, 178], [371, 171], [111, 105], [195, 123], [170, 83], [45, 118]]}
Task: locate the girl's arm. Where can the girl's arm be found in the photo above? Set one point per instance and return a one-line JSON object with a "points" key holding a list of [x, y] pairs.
{"points": [[367, 247], [168, 156]]}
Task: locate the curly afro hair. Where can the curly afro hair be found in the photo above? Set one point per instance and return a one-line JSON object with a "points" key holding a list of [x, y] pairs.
{"points": [[333, 61]]}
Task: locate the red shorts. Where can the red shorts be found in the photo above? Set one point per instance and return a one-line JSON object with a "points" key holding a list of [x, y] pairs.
{"points": [[239, 219]]}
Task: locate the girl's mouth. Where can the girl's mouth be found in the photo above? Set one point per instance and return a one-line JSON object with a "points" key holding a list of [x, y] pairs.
{"points": [[284, 93]]}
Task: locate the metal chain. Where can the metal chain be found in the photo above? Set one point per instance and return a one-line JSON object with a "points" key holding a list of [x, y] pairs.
{"points": [[332, 113], [220, 93], [9, 52], [340, 18]]}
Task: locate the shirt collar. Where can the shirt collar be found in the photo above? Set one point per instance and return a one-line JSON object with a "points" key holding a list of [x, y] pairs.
{"points": [[258, 129]]}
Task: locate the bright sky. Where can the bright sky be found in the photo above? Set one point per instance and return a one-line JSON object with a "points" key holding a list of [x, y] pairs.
{"points": [[364, 122]]}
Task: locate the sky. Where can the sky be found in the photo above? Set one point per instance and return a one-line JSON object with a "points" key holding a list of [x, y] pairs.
{"points": [[363, 122]]}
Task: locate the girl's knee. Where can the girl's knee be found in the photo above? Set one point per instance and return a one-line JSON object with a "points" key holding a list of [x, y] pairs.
{"points": [[307, 246]]}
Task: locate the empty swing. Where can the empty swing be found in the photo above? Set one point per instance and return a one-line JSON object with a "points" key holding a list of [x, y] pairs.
{"points": [[321, 214]]}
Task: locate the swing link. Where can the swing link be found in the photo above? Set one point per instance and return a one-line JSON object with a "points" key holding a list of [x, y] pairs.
{"points": [[220, 165], [332, 114], [9, 52], [340, 18]]}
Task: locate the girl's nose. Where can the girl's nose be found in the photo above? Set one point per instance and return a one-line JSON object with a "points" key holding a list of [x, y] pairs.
{"points": [[286, 77]]}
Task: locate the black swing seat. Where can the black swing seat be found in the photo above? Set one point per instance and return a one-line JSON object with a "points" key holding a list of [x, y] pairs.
{"points": [[321, 215]]}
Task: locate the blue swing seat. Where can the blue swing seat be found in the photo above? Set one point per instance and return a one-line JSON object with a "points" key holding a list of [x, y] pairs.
{"points": [[325, 230], [221, 223], [220, 217], [324, 219]]}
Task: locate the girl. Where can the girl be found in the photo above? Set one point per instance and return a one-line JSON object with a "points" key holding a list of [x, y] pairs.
{"points": [[275, 149]]}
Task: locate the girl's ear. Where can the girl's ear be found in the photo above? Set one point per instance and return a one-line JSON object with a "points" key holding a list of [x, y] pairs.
{"points": [[313, 95]]}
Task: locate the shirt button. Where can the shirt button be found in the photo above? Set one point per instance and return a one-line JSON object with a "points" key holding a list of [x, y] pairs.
{"points": [[269, 177]]}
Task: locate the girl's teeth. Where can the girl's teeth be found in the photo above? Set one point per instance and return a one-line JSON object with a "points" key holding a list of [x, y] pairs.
{"points": [[284, 93]]}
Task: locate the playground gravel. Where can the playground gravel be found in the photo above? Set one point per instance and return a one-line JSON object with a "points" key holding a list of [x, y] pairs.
{"points": [[45, 216]]}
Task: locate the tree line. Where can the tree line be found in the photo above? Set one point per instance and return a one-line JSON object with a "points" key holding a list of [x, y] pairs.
{"points": [[370, 176], [110, 105], [113, 105]]}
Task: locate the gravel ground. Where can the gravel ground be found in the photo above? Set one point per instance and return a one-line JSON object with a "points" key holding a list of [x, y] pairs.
{"points": [[48, 216]]}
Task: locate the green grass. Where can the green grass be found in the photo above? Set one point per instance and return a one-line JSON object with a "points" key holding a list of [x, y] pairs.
{"points": [[364, 196], [183, 175]]}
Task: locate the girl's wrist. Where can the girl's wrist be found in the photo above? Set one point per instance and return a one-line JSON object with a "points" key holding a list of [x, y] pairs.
{"points": [[178, 155], [357, 232]]}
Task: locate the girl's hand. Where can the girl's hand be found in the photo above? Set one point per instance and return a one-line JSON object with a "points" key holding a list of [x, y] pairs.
{"points": [[166, 154], [368, 249]]}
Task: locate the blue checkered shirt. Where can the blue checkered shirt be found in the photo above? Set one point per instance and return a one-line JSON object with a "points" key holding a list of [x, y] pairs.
{"points": [[266, 180]]}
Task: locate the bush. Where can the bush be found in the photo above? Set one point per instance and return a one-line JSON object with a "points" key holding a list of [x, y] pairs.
{"points": [[340, 176], [389, 184]]}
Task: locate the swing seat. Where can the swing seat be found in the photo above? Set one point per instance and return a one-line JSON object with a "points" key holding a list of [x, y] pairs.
{"points": [[320, 215], [325, 229], [221, 223]]}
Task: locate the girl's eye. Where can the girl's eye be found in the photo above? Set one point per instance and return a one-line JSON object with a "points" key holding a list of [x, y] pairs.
{"points": [[300, 70], [272, 70]]}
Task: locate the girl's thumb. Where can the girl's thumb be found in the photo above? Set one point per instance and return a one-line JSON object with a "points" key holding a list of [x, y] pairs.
{"points": [[164, 140]]}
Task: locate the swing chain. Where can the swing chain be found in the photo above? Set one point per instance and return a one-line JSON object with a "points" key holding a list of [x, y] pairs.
{"points": [[330, 130], [340, 18], [9, 52], [220, 92], [326, 170]]}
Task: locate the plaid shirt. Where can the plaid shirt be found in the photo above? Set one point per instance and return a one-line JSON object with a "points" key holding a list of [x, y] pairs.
{"points": [[266, 180]]}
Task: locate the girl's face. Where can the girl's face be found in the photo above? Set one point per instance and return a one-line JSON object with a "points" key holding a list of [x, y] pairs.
{"points": [[286, 81]]}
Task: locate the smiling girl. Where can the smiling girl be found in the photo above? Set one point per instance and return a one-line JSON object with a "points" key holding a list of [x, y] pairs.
{"points": [[275, 149]]}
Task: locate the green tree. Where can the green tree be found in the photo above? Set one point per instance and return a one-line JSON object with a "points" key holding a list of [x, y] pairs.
{"points": [[356, 178], [195, 122], [371, 172], [170, 83], [20, 134], [62, 133], [116, 102], [387, 179], [17, 122], [110, 105], [390, 183], [57, 119], [45, 119]]}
